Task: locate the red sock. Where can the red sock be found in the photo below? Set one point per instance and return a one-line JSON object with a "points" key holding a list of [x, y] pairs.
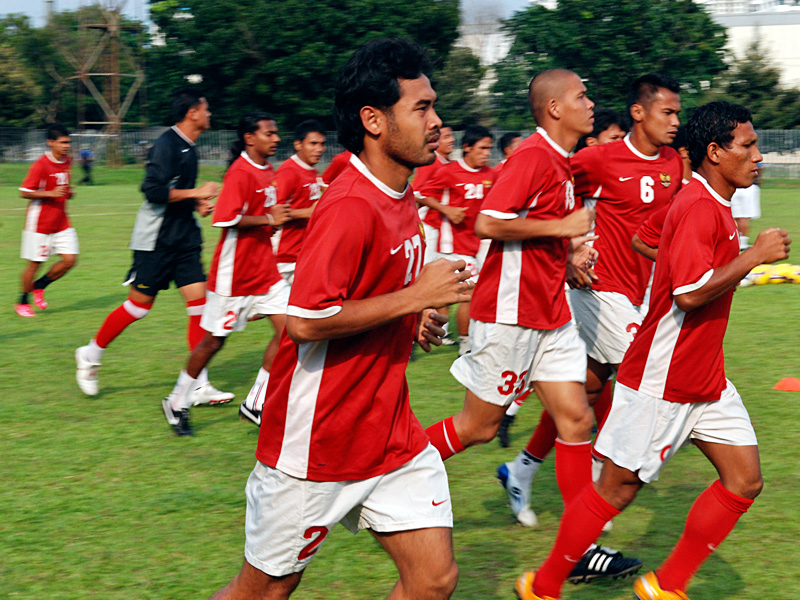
{"points": [[543, 438], [601, 409], [581, 524], [195, 333], [119, 319], [444, 438], [573, 468], [711, 518]]}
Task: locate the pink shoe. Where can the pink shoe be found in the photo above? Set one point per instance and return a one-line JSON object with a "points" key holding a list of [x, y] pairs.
{"points": [[38, 299], [24, 310]]}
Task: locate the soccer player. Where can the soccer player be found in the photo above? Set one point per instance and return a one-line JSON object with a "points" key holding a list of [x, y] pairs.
{"points": [[671, 387], [243, 283], [462, 184], [422, 177], [166, 241], [47, 228], [628, 180], [338, 441], [299, 188], [609, 126], [507, 144], [87, 159]]}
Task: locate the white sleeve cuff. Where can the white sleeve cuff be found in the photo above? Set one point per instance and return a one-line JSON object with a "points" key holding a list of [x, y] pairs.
{"points": [[500, 215], [296, 311], [685, 289]]}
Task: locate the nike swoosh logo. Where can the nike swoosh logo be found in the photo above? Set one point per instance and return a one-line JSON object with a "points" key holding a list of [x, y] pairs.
{"points": [[438, 503], [396, 250], [625, 178], [570, 559], [185, 150], [733, 235]]}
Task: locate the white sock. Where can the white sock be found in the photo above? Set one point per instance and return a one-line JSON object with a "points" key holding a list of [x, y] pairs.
{"points": [[257, 393], [597, 468], [463, 345], [525, 467], [202, 378], [513, 409], [94, 353], [744, 242], [181, 393]]}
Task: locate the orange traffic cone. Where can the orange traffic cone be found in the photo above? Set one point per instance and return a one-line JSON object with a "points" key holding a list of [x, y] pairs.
{"points": [[788, 384]]}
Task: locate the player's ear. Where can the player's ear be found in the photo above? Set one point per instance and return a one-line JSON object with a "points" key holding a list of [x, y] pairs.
{"points": [[248, 139], [637, 112], [297, 145], [372, 120], [554, 108], [591, 141], [714, 153]]}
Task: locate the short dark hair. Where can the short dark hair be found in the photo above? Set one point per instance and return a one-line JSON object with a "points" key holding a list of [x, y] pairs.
{"points": [[182, 101], [506, 139], [474, 134], [644, 88], [713, 123], [53, 131], [370, 78], [306, 127], [603, 119], [248, 123], [681, 138]]}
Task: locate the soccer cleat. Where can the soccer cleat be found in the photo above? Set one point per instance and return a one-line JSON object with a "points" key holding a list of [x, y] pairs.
{"points": [[177, 419], [208, 394], [524, 588], [250, 414], [647, 587], [38, 299], [502, 433], [86, 372], [518, 498], [448, 341], [24, 310], [603, 562]]}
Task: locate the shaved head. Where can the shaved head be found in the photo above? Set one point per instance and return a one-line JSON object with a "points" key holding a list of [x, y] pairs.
{"points": [[546, 86]]}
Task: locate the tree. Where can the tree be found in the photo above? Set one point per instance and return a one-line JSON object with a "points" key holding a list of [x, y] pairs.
{"points": [[456, 84], [19, 92], [608, 43], [280, 55]]}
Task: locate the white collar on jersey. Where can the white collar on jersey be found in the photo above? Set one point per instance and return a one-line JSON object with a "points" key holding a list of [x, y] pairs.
{"points": [[183, 135], [636, 152], [302, 163], [375, 181], [52, 158], [263, 167], [711, 191], [442, 159], [550, 141], [466, 167]]}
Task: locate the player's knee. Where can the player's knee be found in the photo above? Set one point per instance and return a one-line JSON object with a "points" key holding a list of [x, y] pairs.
{"points": [[575, 425], [439, 584], [751, 487], [69, 260]]}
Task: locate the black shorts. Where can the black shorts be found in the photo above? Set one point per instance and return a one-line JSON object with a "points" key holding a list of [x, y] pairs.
{"points": [[154, 270]]}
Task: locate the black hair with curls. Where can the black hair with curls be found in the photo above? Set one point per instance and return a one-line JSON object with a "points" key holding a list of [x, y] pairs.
{"points": [[713, 123]]}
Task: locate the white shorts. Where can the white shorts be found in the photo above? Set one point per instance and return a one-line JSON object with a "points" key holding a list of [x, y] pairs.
{"points": [[607, 322], [224, 314], [287, 272], [38, 247], [746, 203], [431, 243], [642, 432], [472, 264], [505, 359], [288, 518]]}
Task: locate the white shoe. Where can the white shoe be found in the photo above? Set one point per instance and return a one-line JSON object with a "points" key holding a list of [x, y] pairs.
{"points": [[518, 497], [86, 372], [208, 394]]}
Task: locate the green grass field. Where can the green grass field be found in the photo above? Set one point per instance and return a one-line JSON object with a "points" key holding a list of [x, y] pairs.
{"points": [[101, 501]]}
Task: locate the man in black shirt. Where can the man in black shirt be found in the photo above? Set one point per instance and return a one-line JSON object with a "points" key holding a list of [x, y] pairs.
{"points": [[166, 241]]}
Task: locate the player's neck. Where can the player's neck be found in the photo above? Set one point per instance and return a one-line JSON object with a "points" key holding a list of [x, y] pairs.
{"points": [[640, 141], [387, 170], [443, 157], [566, 139], [189, 130], [470, 163], [716, 181], [255, 156]]}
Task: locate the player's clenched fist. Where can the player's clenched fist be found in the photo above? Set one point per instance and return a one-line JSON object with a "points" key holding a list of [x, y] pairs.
{"points": [[578, 223], [443, 282], [208, 191], [772, 244], [279, 213]]}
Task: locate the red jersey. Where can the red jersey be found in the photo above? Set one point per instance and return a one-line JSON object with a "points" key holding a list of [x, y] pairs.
{"points": [[422, 177], [339, 409], [297, 186], [499, 167], [522, 282], [339, 162], [628, 186], [47, 215], [650, 231], [243, 263], [458, 184], [678, 355]]}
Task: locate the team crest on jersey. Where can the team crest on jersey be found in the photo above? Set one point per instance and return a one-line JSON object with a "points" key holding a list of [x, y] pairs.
{"points": [[486, 183], [422, 231], [666, 180]]}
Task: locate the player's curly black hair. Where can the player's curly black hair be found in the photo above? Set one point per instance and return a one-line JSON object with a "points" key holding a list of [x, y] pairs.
{"points": [[713, 122], [370, 78], [248, 123]]}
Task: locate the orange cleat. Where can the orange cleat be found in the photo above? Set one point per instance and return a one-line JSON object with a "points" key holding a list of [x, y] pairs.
{"points": [[524, 588], [647, 587], [38, 299]]}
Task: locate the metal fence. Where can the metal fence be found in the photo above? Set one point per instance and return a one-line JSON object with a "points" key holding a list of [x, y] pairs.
{"points": [[781, 148]]}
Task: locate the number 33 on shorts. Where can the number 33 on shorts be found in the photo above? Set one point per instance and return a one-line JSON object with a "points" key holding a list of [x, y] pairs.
{"points": [[512, 383]]}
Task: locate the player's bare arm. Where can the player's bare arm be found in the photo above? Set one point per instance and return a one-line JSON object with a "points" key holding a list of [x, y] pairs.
{"points": [[454, 214], [771, 245], [440, 283], [575, 224], [647, 251], [302, 213], [207, 191], [56, 192]]}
